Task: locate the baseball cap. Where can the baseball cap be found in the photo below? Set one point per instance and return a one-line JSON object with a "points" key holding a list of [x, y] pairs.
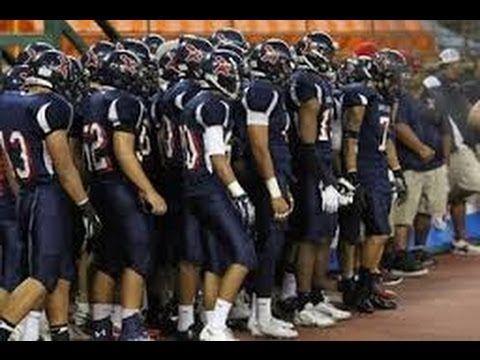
{"points": [[365, 48], [449, 56]]}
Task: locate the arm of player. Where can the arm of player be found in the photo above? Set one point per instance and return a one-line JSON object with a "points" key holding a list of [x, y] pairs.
{"points": [[76, 151], [308, 130], [9, 172], [401, 187], [258, 136], [67, 172], [215, 149], [124, 150], [69, 178], [354, 118]]}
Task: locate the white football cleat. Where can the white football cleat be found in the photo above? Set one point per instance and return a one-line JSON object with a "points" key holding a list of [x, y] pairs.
{"points": [[308, 316], [283, 323], [274, 329], [284, 329], [327, 308], [210, 333]]}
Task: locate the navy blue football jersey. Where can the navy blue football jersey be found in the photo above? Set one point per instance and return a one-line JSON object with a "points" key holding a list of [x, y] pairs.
{"points": [[206, 110], [105, 111], [168, 110], [306, 85], [264, 105], [26, 120], [374, 132], [150, 155]]}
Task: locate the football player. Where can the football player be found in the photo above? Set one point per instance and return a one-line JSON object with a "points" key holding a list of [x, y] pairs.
{"points": [[317, 197], [368, 153], [150, 95], [153, 42], [11, 269], [189, 53], [114, 145], [35, 140], [217, 209], [268, 173]]}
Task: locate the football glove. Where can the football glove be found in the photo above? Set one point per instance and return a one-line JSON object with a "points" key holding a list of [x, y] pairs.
{"points": [[330, 198], [360, 197], [346, 190], [245, 208], [92, 225], [400, 186]]}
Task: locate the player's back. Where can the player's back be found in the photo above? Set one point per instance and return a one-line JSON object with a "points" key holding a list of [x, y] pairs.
{"points": [[97, 131], [305, 85], [375, 125], [26, 119], [206, 109], [173, 103]]}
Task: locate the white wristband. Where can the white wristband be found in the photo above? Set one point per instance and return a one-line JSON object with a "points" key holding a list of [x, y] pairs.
{"points": [[235, 189], [273, 188], [83, 202]]}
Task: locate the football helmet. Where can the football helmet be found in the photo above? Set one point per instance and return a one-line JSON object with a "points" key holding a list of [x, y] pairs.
{"points": [[50, 69], [167, 67], [153, 42], [272, 60], [15, 77], [221, 71], [391, 69], [315, 50], [32, 50], [137, 47], [149, 69], [78, 81], [123, 70], [390, 63], [239, 60], [355, 69], [232, 47], [229, 36], [93, 59], [190, 53]]}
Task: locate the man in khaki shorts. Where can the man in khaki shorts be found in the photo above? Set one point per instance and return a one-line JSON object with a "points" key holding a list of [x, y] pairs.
{"points": [[464, 167], [423, 139]]}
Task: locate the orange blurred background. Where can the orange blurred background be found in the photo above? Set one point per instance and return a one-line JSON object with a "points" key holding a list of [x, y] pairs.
{"points": [[401, 34]]}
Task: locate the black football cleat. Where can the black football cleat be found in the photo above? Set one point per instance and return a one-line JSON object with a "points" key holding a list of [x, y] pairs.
{"points": [[381, 303], [349, 292], [363, 303]]}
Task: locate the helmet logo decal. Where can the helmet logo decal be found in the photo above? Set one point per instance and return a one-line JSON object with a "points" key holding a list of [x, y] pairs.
{"points": [[193, 54], [128, 63], [63, 67], [270, 55]]}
